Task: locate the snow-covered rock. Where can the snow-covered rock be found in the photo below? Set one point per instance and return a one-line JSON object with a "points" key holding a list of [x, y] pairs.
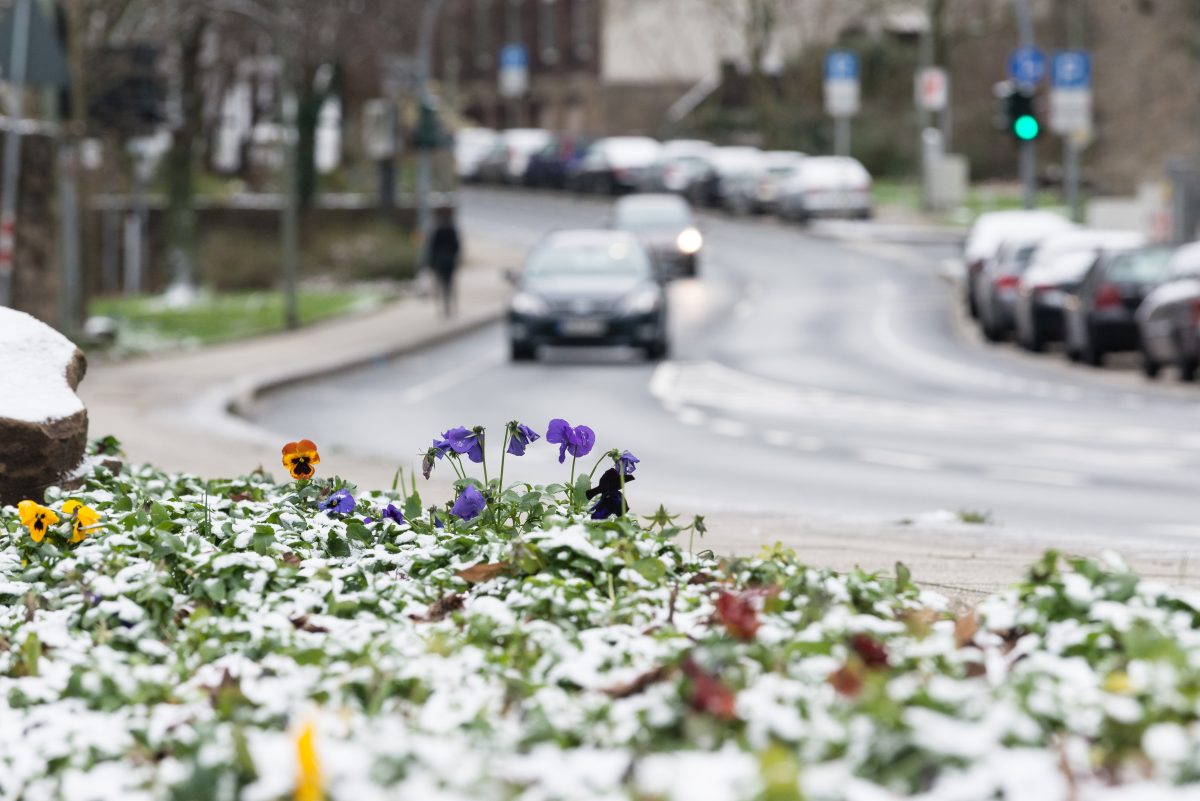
{"points": [[43, 423]]}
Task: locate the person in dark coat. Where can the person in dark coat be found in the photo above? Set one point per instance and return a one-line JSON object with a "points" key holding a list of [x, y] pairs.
{"points": [[444, 250]]}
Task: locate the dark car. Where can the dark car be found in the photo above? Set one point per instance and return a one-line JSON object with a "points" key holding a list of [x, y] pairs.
{"points": [[1169, 318], [588, 288], [1058, 266], [665, 226], [995, 287], [1100, 314], [555, 164], [615, 164]]}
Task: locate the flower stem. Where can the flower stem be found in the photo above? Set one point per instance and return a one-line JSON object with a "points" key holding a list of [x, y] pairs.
{"points": [[503, 453], [592, 474], [571, 489], [621, 476], [483, 449]]}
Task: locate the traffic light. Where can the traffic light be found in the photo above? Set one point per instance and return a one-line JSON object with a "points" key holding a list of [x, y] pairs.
{"points": [[1023, 121]]}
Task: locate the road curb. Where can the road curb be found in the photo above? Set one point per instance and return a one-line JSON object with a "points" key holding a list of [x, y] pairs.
{"points": [[240, 402]]}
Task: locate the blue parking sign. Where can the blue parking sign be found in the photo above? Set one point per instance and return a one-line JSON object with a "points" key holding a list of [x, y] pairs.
{"points": [[513, 56], [1027, 66], [1071, 69], [841, 65]]}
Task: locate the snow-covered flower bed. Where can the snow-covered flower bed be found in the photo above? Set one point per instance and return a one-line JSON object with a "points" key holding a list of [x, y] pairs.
{"points": [[234, 639]]}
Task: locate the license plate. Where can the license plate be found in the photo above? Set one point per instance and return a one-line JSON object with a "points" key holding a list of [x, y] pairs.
{"points": [[583, 327]]}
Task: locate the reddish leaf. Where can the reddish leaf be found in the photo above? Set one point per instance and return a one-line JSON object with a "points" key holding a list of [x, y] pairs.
{"points": [[709, 694], [304, 624], [738, 615], [440, 608], [965, 628], [639, 683], [477, 574], [847, 679], [290, 558], [872, 652]]}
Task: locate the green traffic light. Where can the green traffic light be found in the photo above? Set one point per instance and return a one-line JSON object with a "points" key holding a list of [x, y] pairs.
{"points": [[1026, 127]]}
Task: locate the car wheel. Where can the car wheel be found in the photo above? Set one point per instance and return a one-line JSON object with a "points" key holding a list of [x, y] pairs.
{"points": [[1187, 368], [523, 352], [1150, 367], [1093, 354], [657, 351]]}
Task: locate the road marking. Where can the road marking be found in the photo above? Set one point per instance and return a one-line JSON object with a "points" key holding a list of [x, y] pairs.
{"points": [[909, 461], [729, 428], [690, 417], [1034, 475], [438, 384], [780, 439]]}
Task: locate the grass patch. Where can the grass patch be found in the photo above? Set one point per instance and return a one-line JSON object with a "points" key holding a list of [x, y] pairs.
{"points": [[981, 198], [975, 517], [147, 323]]}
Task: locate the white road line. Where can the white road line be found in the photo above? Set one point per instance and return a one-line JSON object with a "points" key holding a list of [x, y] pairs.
{"points": [[690, 417], [440, 383], [1034, 475], [909, 461], [780, 439], [729, 428]]}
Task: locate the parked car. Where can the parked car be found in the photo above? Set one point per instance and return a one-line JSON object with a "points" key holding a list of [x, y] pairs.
{"points": [[987, 234], [1169, 318], [616, 164], [995, 286], [509, 157], [556, 163], [1058, 266], [1100, 315], [756, 191], [471, 146], [722, 166], [665, 226], [588, 288], [826, 186], [679, 164]]}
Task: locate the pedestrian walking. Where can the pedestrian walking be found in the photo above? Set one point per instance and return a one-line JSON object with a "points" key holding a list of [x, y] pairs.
{"points": [[444, 250]]}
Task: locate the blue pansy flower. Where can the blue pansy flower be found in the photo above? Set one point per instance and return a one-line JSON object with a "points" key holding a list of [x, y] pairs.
{"points": [[519, 437], [627, 462], [609, 501], [469, 504], [339, 503], [392, 513], [577, 440], [464, 440]]}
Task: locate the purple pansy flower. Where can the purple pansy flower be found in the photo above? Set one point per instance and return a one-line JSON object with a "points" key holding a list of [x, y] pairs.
{"points": [[627, 462], [339, 503], [519, 437], [577, 441], [609, 501], [469, 504], [464, 440], [392, 513]]}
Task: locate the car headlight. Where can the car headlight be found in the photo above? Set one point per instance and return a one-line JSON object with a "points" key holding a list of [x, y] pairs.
{"points": [[689, 241], [641, 301], [529, 304]]}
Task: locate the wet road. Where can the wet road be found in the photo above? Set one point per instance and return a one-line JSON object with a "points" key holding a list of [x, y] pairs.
{"points": [[809, 377]]}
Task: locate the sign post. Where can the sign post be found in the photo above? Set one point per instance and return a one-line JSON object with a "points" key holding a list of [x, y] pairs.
{"points": [[841, 95], [1071, 115]]}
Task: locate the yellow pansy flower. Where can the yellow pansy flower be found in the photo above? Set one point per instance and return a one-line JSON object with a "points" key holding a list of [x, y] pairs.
{"points": [[308, 774], [36, 518], [86, 518]]}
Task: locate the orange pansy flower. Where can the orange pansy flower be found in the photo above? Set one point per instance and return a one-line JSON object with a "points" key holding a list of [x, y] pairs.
{"points": [[301, 458]]}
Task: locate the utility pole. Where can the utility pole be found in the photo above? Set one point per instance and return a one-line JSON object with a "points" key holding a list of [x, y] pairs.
{"points": [[19, 58], [290, 223], [1070, 142], [429, 16], [1028, 148]]}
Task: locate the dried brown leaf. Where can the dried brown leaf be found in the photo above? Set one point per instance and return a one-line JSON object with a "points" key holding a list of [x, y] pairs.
{"points": [[484, 571], [304, 624], [639, 683], [440, 608], [966, 626]]}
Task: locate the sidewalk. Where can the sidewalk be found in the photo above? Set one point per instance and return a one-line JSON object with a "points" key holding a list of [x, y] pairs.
{"points": [[173, 410]]}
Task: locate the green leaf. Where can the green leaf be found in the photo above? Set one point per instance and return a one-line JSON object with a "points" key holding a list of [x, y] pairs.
{"points": [[337, 546], [355, 530], [650, 568], [412, 506], [903, 577], [579, 491]]}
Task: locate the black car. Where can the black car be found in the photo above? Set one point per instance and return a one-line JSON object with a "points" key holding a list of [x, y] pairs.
{"points": [[555, 164], [1100, 314], [665, 226], [588, 288]]}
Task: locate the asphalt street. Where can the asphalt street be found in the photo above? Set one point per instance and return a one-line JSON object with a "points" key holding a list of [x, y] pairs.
{"points": [[808, 376]]}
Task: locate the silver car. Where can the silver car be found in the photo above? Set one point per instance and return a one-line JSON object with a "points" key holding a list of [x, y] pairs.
{"points": [[1169, 318], [665, 226]]}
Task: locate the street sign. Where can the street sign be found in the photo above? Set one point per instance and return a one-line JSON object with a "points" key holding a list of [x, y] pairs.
{"points": [[514, 70], [379, 129], [841, 83], [932, 89], [1071, 93], [1027, 66], [45, 65]]}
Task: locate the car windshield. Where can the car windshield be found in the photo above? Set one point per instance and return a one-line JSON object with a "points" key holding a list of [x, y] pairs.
{"points": [[644, 216], [1142, 266], [616, 258]]}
